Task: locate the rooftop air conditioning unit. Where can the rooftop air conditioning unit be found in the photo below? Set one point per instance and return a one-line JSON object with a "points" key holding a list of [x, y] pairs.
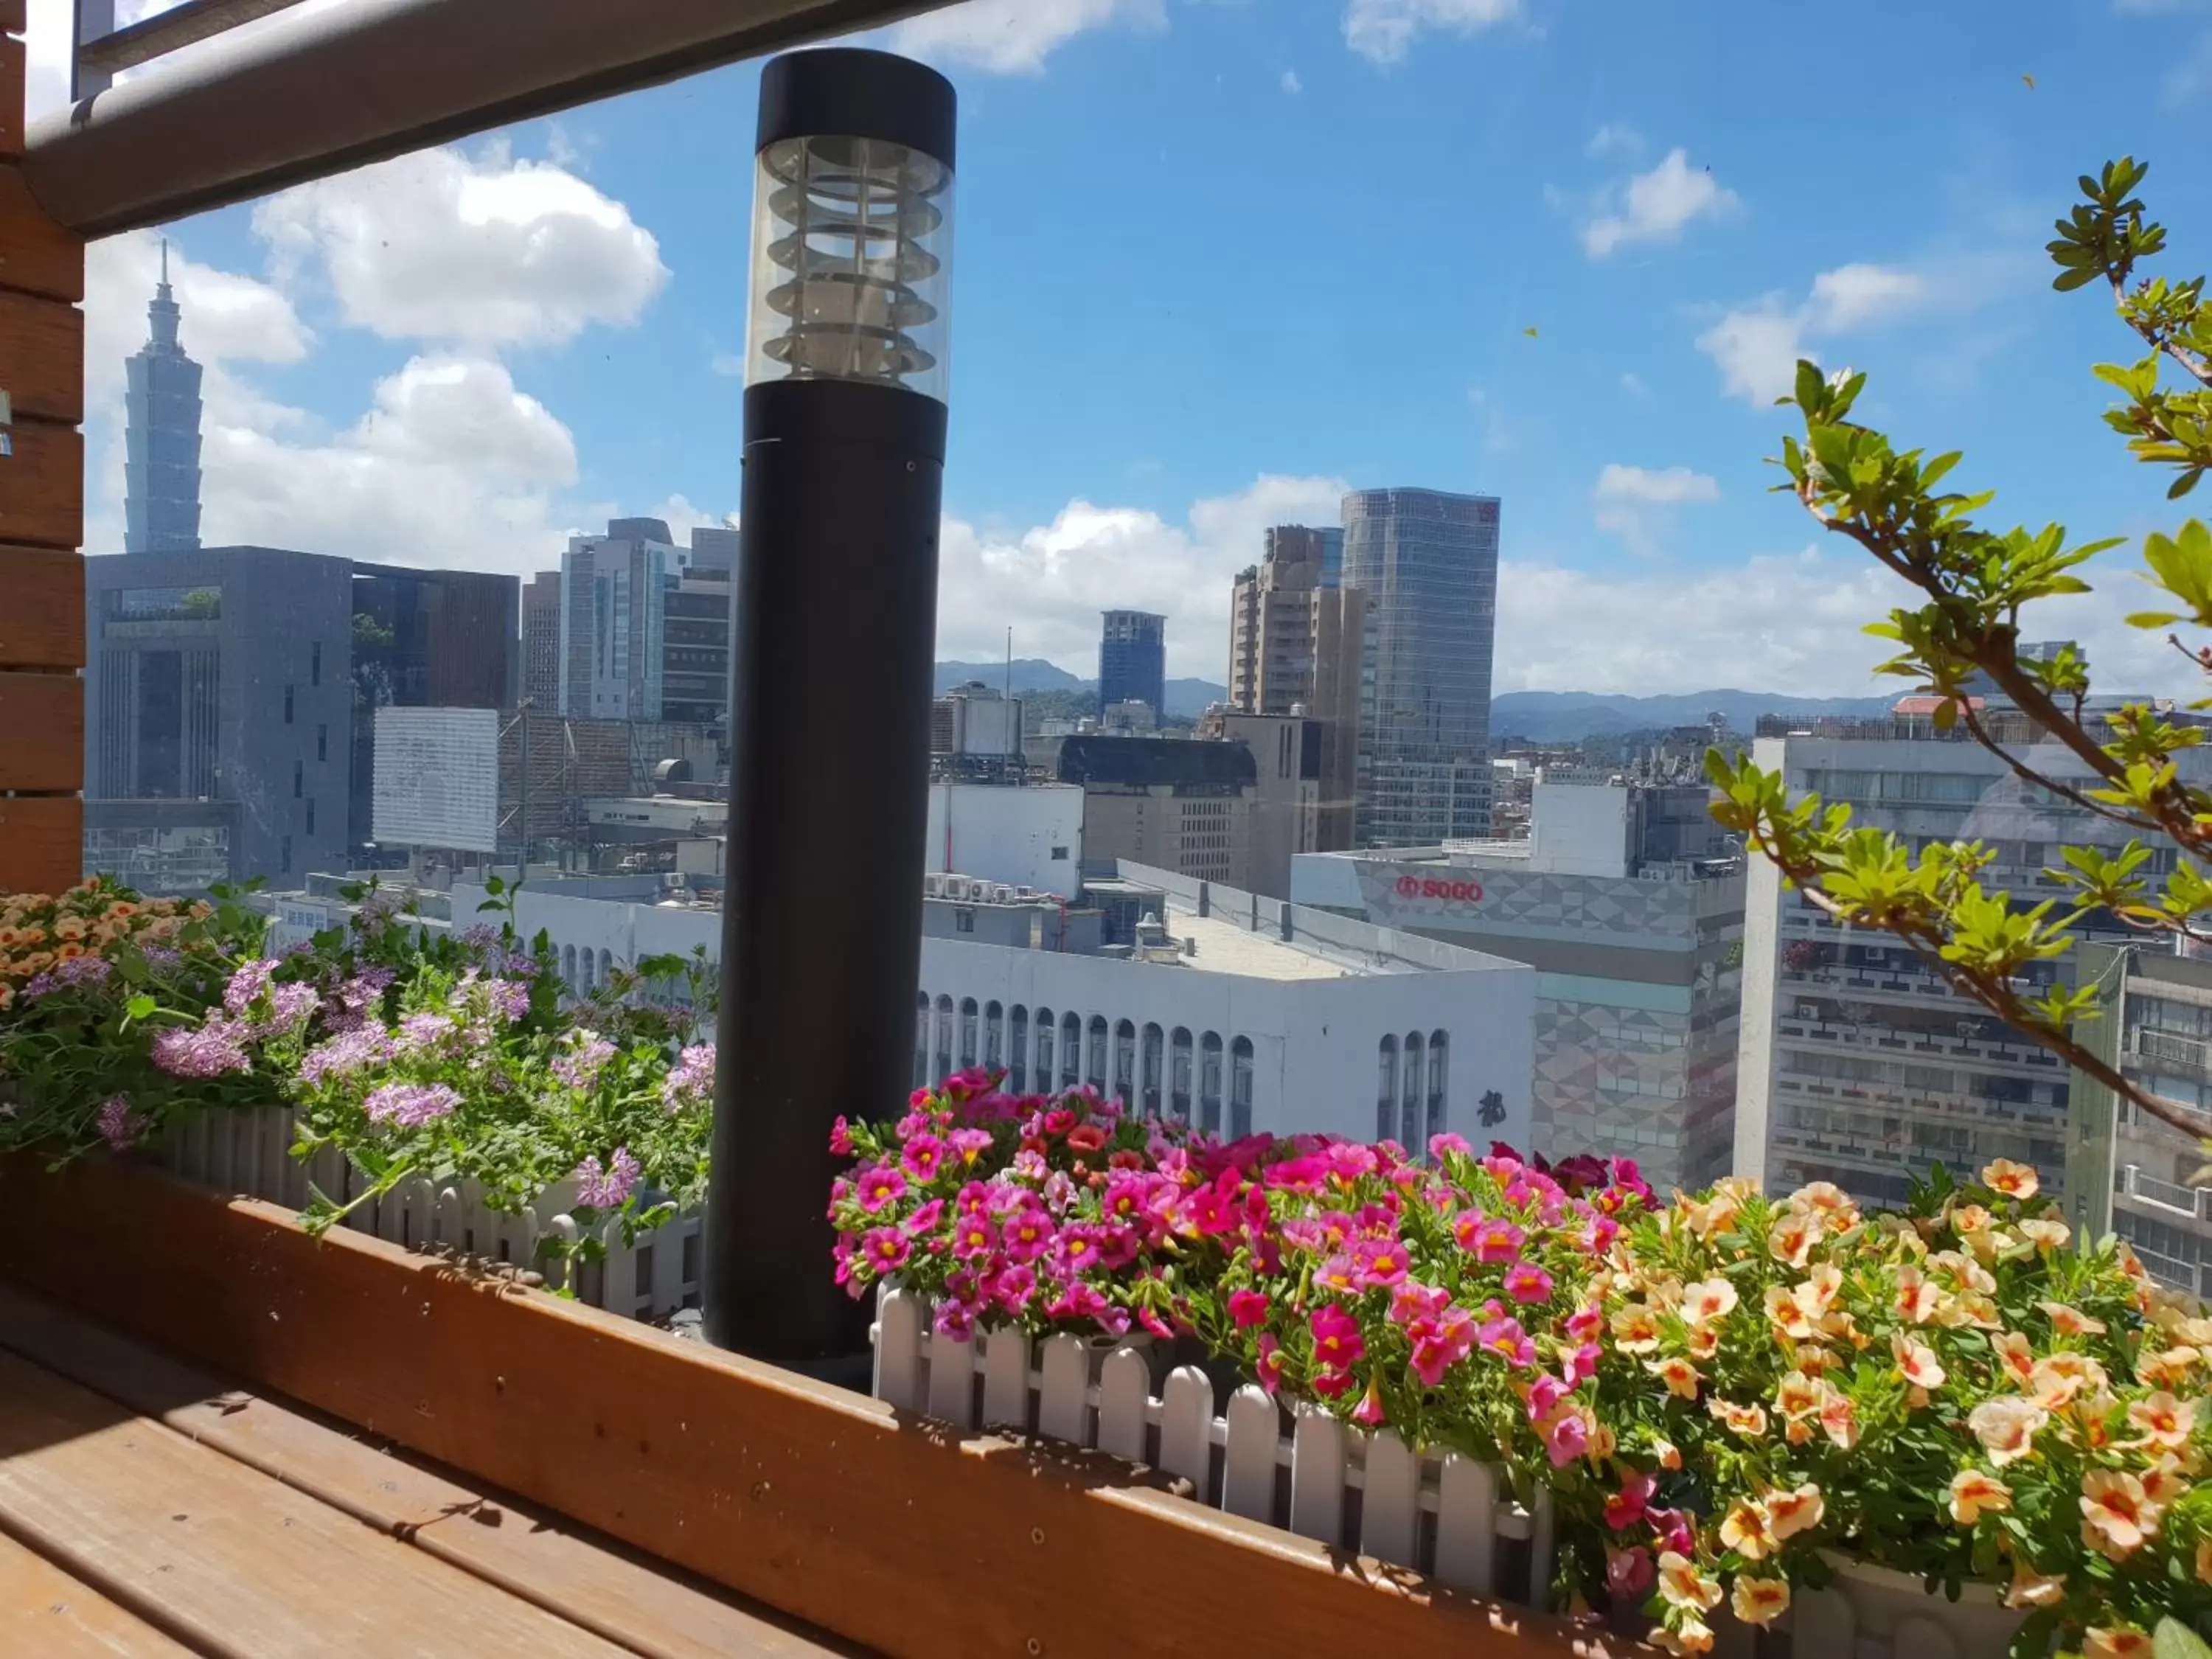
{"points": [[1002, 894], [955, 887], [932, 885]]}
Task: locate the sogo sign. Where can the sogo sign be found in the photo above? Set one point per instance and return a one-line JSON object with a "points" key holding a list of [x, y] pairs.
{"points": [[1431, 887]]}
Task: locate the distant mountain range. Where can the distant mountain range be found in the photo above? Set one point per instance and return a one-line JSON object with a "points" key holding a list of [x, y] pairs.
{"points": [[1568, 716], [1185, 698]]}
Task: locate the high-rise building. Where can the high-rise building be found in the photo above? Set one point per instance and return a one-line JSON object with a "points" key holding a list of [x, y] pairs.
{"points": [[1295, 637], [1133, 660], [701, 611], [424, 639], [1179, 804], [1860, 1064], [1290, 814], [614, 594], [1428, 563], [541, 641], [162, 435], [218, 697]]}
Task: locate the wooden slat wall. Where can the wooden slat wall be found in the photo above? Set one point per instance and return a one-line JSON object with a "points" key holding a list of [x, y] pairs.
{"points": [[41, 518]]}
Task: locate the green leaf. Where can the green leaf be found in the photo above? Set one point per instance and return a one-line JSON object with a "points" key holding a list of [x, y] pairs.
{"points": [[2175, 1640], [2151, 619], [2067, 281], [140, 1006]]}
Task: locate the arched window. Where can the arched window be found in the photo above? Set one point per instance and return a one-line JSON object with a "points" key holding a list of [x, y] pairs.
{"points": [[1179, 1066], [1095, 1055], [1409, 1117], [1437, 1044], [1125, 1062], [994, 1036], [944, 1039], [1045, 1031], [1154, 1041], [967, 1032], [568, 968], [1386, 1089], [921, 1039], [1017, 1048], [1070, 1050], [1209, 1083], [1240, 1088], [607, 968]]}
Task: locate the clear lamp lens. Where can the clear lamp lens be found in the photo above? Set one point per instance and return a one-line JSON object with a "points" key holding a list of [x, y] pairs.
{"points": [[851, 260]]}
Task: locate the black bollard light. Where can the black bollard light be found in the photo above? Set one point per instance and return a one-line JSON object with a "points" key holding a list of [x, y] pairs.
{"points": [[830, 672]]}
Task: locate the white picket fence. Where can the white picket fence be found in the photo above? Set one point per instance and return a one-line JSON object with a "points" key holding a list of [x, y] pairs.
{"points": [[1442, 1514], [250, 1152]]}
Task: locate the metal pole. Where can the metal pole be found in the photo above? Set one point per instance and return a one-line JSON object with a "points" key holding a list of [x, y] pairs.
{"points": [[831, 682]]}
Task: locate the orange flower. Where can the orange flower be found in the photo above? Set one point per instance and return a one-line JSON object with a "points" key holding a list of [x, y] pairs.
{"points": [[1974, 1494], [2167, 1365], [1796, 1397], [1747, 1531], [1668, 1454], [1712, 1216], [1635, 1329], [1684, 1586], [1917, 1295], [1823, 1198], [1918, 1361], [2015, 1355], [2071, 1322], [2030, 1589], [2016, 1181], [2164, 1481], [1971, 1218], [2116, 1641], [69, 952], [2044, 1233], [1707, 1300], [2164, 1420], [1702, 1341], [2117, 1514], [121, 908], [1680, 1376], [2007, 1428], [1760, 1601], [1792, 1512], [1691, 1637], [1791, 1239], [2204, 1561], [1750, 1421], [2057, 1378], [1784, 1313], [1839, 1418]]}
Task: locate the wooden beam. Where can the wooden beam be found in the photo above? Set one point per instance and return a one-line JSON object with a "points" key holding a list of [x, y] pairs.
{"points": [[37, 256], [42, 499], [41, 843], [42, 350], [41, 731], [900, 1535], [12, 61], [46, 1612], [41, 607]]}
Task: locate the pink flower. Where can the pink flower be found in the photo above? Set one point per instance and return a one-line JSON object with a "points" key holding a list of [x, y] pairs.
{"points": [[1013, 1287], [1271, 1363], [119, 1125], [1498, 1240], [1077, 1250], [954, 1320], [1440, 1343], [1026, 1234], [923, 1156], [1338, 1344], [925, 1219], [1672, 1529], [1625, 1508], [1379, 1262], [1501, 1335], [972, 1236], [1331, 1385], [1443, 1145], [1629, 1573], [1369, 1411], [1566, 1439], [1585, 1323], [840, 1137], [1545, 1394], [969, 1145], [411, 1105], [1340, 1273], [1248, 1308], [878, 1185], [885, 1249], [1527, 1282], [607, 1188], [1298, 1174], [1413, 1301], [973, 1199]]}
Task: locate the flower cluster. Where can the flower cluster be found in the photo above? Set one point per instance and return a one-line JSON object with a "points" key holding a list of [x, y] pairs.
{"points": [[42, 935]]}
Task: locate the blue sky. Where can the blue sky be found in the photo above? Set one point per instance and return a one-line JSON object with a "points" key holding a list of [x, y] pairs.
{"points": [[1217, 261]]}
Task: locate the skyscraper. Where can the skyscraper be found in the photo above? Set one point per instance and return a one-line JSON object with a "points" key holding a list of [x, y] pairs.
{"points": [[1294, 646], [614, 595], [541, 641], [1133, 660], [701, 611], [1428, 563], [161, 435]]}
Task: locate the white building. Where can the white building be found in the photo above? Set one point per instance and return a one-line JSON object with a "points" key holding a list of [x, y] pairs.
{"points": [[1023, 835], [1241, 1013]]}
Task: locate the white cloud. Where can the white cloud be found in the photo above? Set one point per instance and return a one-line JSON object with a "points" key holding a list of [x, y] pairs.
{"points": [[1757, 347], [1615, 138], [1292, 84], [1015, 36], [444, 245], [728, 364], [1637, 503], [1774, 622], [1381, 31], [1659, 204], [2191, 76], [1632, 384], [1050, 582]]}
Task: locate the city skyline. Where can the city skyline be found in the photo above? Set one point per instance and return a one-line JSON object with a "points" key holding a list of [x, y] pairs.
{"points": [[496, 345]]}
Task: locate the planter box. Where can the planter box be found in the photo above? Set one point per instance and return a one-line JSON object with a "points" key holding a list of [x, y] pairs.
{"points": [[856, 1517], [1873, 1613], [1325, 1480]]}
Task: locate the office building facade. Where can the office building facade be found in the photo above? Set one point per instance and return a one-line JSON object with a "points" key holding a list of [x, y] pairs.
{"points": [[1291, 814], [1133, 660], [700, 615], [1170, 802], [1427, 561], [541, 641], [614, 592], [218, 702], [1295, 635], [162, 435]]}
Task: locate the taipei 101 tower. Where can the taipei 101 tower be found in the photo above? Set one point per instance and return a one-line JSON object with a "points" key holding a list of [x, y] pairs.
{"points": [[161, 437]]}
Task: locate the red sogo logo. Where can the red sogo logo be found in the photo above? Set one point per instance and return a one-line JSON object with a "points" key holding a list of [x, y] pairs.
{"points": [[1460, 892]]}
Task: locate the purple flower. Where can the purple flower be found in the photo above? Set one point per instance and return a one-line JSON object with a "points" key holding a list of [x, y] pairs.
{"points": [[607, 1188], [508, 999], [423, 1030], [247, 983], [349, 1052], [587, 1056], [162, 957], [480, 938], [83, 970], [411, 1105], [360, 993], [119, 1127], [691, 1081], [214, 1049], [290, 1006]]}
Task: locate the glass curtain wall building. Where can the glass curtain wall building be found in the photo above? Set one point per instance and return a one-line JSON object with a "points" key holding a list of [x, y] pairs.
{"points": [[162, 435], [1428, 563], [1133, 660]]}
